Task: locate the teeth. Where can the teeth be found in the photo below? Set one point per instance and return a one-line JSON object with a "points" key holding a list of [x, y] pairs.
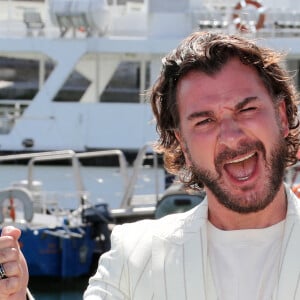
{"points": [[242, 159], [243, 178]]}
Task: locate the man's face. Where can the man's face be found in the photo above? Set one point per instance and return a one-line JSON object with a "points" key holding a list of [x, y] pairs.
{"points": [[232, 136]]}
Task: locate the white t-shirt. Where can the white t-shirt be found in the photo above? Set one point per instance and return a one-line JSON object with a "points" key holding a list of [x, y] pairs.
{"points": [[245, 263]]}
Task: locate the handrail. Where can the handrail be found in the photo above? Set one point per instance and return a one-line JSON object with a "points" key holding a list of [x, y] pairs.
{"points": [[65, 154], [21, 156], [138, 162], [102, 153], [76, 165], [128, 181]]}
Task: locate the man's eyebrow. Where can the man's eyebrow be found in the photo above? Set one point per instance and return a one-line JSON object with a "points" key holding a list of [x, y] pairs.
{"points": [[245, 101], [209, 113], [199, 114]]}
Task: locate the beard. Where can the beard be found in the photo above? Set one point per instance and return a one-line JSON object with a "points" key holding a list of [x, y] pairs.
{"points": [[255, 200]]}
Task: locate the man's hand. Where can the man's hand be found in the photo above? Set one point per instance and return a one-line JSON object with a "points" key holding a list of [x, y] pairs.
{"points": [[13, 262]]}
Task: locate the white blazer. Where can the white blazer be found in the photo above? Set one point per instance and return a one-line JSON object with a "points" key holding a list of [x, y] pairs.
{"points": [[166, 259]]}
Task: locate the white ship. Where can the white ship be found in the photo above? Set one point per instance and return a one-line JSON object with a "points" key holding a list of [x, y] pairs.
{"points": [[92, 60]]}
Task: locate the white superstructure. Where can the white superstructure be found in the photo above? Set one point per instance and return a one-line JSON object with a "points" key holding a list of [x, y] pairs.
{"points": [[96, 39]]}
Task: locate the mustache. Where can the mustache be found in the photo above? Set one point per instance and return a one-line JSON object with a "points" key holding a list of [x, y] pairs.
{"points": [[242, 149]]}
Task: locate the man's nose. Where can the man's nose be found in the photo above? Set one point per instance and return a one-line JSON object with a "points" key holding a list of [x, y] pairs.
{"points": [[230, 133]]}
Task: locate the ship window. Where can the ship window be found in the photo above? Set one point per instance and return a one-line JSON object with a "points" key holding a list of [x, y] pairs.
{"points": [[73, 89], [125, 84], [19, 78], [19, 83]]}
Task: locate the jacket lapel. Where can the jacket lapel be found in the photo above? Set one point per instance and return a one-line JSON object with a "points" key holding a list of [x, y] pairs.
{"points": [[180, 264], [288, 287], [179, 259]]}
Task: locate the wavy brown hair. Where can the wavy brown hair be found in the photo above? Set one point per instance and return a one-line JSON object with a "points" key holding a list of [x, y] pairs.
{"points": [[208, 53]]}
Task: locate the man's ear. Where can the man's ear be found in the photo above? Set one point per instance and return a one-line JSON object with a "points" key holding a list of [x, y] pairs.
{"points": [[183, 146], [283, 119]]}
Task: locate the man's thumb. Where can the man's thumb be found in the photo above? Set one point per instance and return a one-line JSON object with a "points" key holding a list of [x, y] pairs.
{"points": [[11, 231]]}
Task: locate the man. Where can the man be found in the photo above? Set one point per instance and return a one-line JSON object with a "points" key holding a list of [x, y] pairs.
{"points": [[227, 117]]}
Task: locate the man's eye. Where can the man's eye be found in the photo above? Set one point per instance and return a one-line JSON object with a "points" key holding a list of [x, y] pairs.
{"points": [[204, 122], [248, 109]]}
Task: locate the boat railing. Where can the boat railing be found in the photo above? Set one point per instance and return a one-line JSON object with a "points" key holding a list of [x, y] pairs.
{"points": [[74, 157], [131, 204], [134, 206], [104, 153], [51, 205]]}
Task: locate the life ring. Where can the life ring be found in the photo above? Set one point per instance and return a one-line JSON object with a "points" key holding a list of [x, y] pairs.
{"points": [[12, 211], [237, 20], [21, 194]]}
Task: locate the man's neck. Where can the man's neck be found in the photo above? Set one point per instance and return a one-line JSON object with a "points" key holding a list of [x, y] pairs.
{"points": [[226, 219]]}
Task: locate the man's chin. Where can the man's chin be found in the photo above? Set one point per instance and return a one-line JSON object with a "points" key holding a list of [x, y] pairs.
{"points": [[245, 200]]}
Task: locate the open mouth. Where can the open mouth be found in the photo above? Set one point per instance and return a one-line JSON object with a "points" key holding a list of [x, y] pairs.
{"points": [[242, 168]]}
